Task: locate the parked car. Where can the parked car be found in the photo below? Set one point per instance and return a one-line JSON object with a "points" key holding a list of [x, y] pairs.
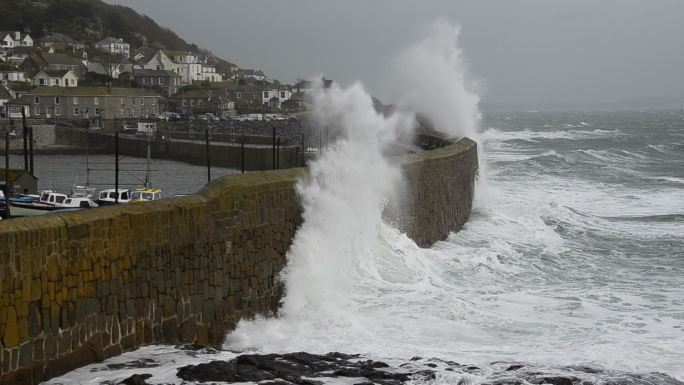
{"points": [[211, 117]]}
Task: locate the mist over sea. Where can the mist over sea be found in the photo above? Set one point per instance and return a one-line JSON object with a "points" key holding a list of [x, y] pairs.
{"points": [[574, 255]]}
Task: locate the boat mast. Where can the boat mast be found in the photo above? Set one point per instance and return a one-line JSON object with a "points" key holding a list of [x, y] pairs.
{"points": [[148, 176]]}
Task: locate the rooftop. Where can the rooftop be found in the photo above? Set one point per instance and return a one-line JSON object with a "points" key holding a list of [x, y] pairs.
{"points": [[56, 73], [14, 174], [148, 72]]}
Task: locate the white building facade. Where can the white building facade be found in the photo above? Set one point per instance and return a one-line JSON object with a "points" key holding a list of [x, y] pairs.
{"points": [[114, 46], [13, 39]]}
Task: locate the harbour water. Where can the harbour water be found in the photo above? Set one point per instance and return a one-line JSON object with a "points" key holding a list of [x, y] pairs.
{"points": [[573, 257], [62, 172]]}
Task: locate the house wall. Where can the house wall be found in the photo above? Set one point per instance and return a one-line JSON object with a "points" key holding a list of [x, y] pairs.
{"points": [[109, 106], [13, 76], [83, 286]]}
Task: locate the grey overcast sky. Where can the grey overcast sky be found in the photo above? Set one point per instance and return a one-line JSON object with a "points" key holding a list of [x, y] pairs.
{"points": [[526, 52]]}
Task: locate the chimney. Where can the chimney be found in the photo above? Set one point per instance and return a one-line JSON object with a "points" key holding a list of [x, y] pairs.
{"points": [[17, 35]]}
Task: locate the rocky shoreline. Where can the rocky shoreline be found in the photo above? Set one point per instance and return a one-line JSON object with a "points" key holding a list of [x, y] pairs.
{"points": [[303, 368]]}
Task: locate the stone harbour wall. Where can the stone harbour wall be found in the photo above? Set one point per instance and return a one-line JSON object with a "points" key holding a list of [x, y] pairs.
{"points": [[80, 287]]}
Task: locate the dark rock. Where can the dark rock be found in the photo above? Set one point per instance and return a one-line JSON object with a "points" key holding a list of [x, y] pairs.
{"points": [[557, 381], [136, 379], [142, 363], [416, 358], [295, 368], [514, 367]]}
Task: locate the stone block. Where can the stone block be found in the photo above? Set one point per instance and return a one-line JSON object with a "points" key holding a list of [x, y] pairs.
{"points": [[11, 336]]}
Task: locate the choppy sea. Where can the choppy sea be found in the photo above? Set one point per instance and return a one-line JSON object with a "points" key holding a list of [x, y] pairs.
{"points": [[573, 258]]}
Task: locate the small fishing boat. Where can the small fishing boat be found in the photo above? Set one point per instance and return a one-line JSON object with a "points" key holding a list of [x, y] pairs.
{"points": [[78, 202], [109, 196], [82, 192], [146, 195], [47, 201]]}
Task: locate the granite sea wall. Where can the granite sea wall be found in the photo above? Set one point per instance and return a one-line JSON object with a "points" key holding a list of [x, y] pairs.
{"points": [[80, 287]]}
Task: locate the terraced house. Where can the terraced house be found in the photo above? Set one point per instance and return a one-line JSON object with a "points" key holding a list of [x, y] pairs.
{"points": [[91, 102]]}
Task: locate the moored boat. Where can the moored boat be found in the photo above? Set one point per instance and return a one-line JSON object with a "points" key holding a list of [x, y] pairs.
{"points": [[146, 195], [109, 196]]}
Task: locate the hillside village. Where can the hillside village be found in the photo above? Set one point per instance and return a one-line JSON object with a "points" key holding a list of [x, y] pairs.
{"points": [[60, 78]]}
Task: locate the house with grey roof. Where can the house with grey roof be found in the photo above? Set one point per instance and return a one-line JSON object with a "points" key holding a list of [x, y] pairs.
{"points": [[53, 61], [11, 73], [168, 82], [55, 78], [61, 42]]}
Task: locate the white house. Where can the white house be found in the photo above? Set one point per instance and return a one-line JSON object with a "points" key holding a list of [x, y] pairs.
{"points": [[274, 96], [253, 74], [159, 62], [12, 39], [209, 74], [114, 46], [55, 78], [183, 63]]}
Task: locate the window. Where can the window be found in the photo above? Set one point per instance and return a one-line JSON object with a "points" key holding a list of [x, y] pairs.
{"points": [[57, 100], [185, 102], [84, 204], [36, 100], [56, 82], [75, 101], [121, 113], [60, 199], [71, 82], [282, 94], [97, 111], [96, 101], [133, 101], [239, 95], [76, 111], [192, 102], [58, 111], [266, 94], [122, 100], [142, 101], [41, 82], [36, 110], [161, 81]]}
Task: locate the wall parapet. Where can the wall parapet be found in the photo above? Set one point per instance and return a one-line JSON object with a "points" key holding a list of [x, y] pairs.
{"points": [[80, 287]]}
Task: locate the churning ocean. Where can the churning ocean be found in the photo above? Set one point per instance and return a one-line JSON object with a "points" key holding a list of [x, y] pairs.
{"points": [[572, 263]]}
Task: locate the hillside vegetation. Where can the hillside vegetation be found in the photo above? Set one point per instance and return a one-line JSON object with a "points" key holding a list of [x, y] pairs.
{"points": [[87, 21]]}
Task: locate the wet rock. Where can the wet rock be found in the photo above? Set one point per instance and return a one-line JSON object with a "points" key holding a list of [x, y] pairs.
{"points": [[136, 379], [296, 368], [559, 381]]}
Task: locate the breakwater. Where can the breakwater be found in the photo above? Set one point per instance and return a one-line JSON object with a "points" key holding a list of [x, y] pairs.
{"points": [[80, 287]]}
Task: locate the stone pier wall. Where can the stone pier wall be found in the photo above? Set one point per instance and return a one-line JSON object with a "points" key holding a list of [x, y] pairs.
{"points": [[222, 154], [80, 287]]}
